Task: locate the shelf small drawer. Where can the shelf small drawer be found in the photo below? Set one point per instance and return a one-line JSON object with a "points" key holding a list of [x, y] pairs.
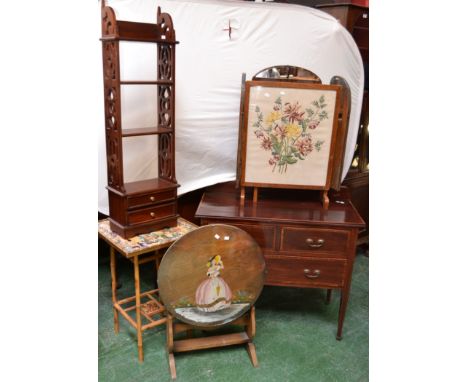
{"points": [[305, 272], [151, 213], [314, 240], [151, 198]]}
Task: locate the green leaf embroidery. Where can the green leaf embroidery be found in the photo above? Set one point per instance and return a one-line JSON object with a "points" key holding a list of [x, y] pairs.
{"points": [[323, 115], [318, 145], [276, 148], [310, 112]]}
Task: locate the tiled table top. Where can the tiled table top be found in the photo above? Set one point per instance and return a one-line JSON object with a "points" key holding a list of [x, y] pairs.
{"points": [[148, 242]]}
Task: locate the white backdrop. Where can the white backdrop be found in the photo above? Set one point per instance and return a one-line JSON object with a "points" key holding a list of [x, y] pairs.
{"points": [[209, 66]]}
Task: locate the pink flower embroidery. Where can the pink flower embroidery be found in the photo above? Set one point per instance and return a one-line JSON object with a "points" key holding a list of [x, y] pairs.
{"points": [[266, 143], [313, 124], [279, 131], [273, 160], [304, 145], [293, 112]]}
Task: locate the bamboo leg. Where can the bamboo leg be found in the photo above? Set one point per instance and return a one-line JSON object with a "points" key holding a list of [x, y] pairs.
{"points": [[114, 288], [136, 268], [158, 260], [328, 299], [156, 267], [170, 346], [172, 366]]}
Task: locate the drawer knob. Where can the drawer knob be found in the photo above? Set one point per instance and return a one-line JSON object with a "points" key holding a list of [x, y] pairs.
{"points": [[315, 244], [152, 198], [152, 214], [312, 274]]}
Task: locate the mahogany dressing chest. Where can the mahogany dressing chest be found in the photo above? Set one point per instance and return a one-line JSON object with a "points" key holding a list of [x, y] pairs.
{"points": [[303, 244]]}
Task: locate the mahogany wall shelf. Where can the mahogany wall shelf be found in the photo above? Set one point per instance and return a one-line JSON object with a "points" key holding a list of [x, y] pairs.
{"points": [[148, 205]]}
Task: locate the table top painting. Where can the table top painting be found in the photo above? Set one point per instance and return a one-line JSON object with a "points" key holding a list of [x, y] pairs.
{"points": [[212, 275]]}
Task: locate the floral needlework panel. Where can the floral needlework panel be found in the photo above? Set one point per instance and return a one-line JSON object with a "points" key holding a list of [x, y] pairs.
{"points": [[289, 134]]}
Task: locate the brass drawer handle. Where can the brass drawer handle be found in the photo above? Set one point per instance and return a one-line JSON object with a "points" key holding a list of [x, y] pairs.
{"points": [[312, 244], [152, 198], [312, 275], [152, 214]]}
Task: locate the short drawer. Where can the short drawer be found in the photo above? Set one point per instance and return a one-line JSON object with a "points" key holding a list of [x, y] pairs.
{"points": [[151, 213], [305, 272], [264, 235], [151, 198], [313, 240]]}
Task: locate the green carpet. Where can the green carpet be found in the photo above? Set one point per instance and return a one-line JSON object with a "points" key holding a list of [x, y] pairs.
{"points": [[295, 338]]}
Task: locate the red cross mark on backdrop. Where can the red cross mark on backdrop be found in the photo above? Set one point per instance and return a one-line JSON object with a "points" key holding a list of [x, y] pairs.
{"points": [[229, 29]]}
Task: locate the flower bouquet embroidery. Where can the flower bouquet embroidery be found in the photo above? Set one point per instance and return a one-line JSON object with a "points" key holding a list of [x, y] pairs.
{"points": [[287, 131]]}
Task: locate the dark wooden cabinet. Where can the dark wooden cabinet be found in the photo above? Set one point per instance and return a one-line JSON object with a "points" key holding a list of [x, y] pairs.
{"points": [[303, 244], [354, 16], [147, 205]]}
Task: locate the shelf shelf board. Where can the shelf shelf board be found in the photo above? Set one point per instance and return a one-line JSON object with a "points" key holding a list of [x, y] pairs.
{"points": [[142, 32], [142, 186], [158, 82], [145, 131]]}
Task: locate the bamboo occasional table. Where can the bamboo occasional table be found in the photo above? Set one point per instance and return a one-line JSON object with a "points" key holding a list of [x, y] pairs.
{"points": [[140, 250]]}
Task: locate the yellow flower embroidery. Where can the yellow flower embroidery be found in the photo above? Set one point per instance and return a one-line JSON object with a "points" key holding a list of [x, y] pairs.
{"points": [[273, 116], [293, 130]]}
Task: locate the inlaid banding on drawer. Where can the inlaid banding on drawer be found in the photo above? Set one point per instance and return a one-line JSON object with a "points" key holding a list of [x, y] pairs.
{"points": [[314, 240], [152, 198], [304, 272], [151, 213]]}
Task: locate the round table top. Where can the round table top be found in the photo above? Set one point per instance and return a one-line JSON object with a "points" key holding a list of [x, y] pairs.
{"points": [[211, 276]]}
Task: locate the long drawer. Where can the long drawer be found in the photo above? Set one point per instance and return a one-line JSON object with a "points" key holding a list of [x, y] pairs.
{"points": [[151, 213], [151, 198], [304, 272], [310, 241]]}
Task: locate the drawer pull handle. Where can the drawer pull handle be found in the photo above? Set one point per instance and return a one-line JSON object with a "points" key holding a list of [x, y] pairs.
{"points": [[152, 198], [312, 275], [152, 214], [312, 244]]}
